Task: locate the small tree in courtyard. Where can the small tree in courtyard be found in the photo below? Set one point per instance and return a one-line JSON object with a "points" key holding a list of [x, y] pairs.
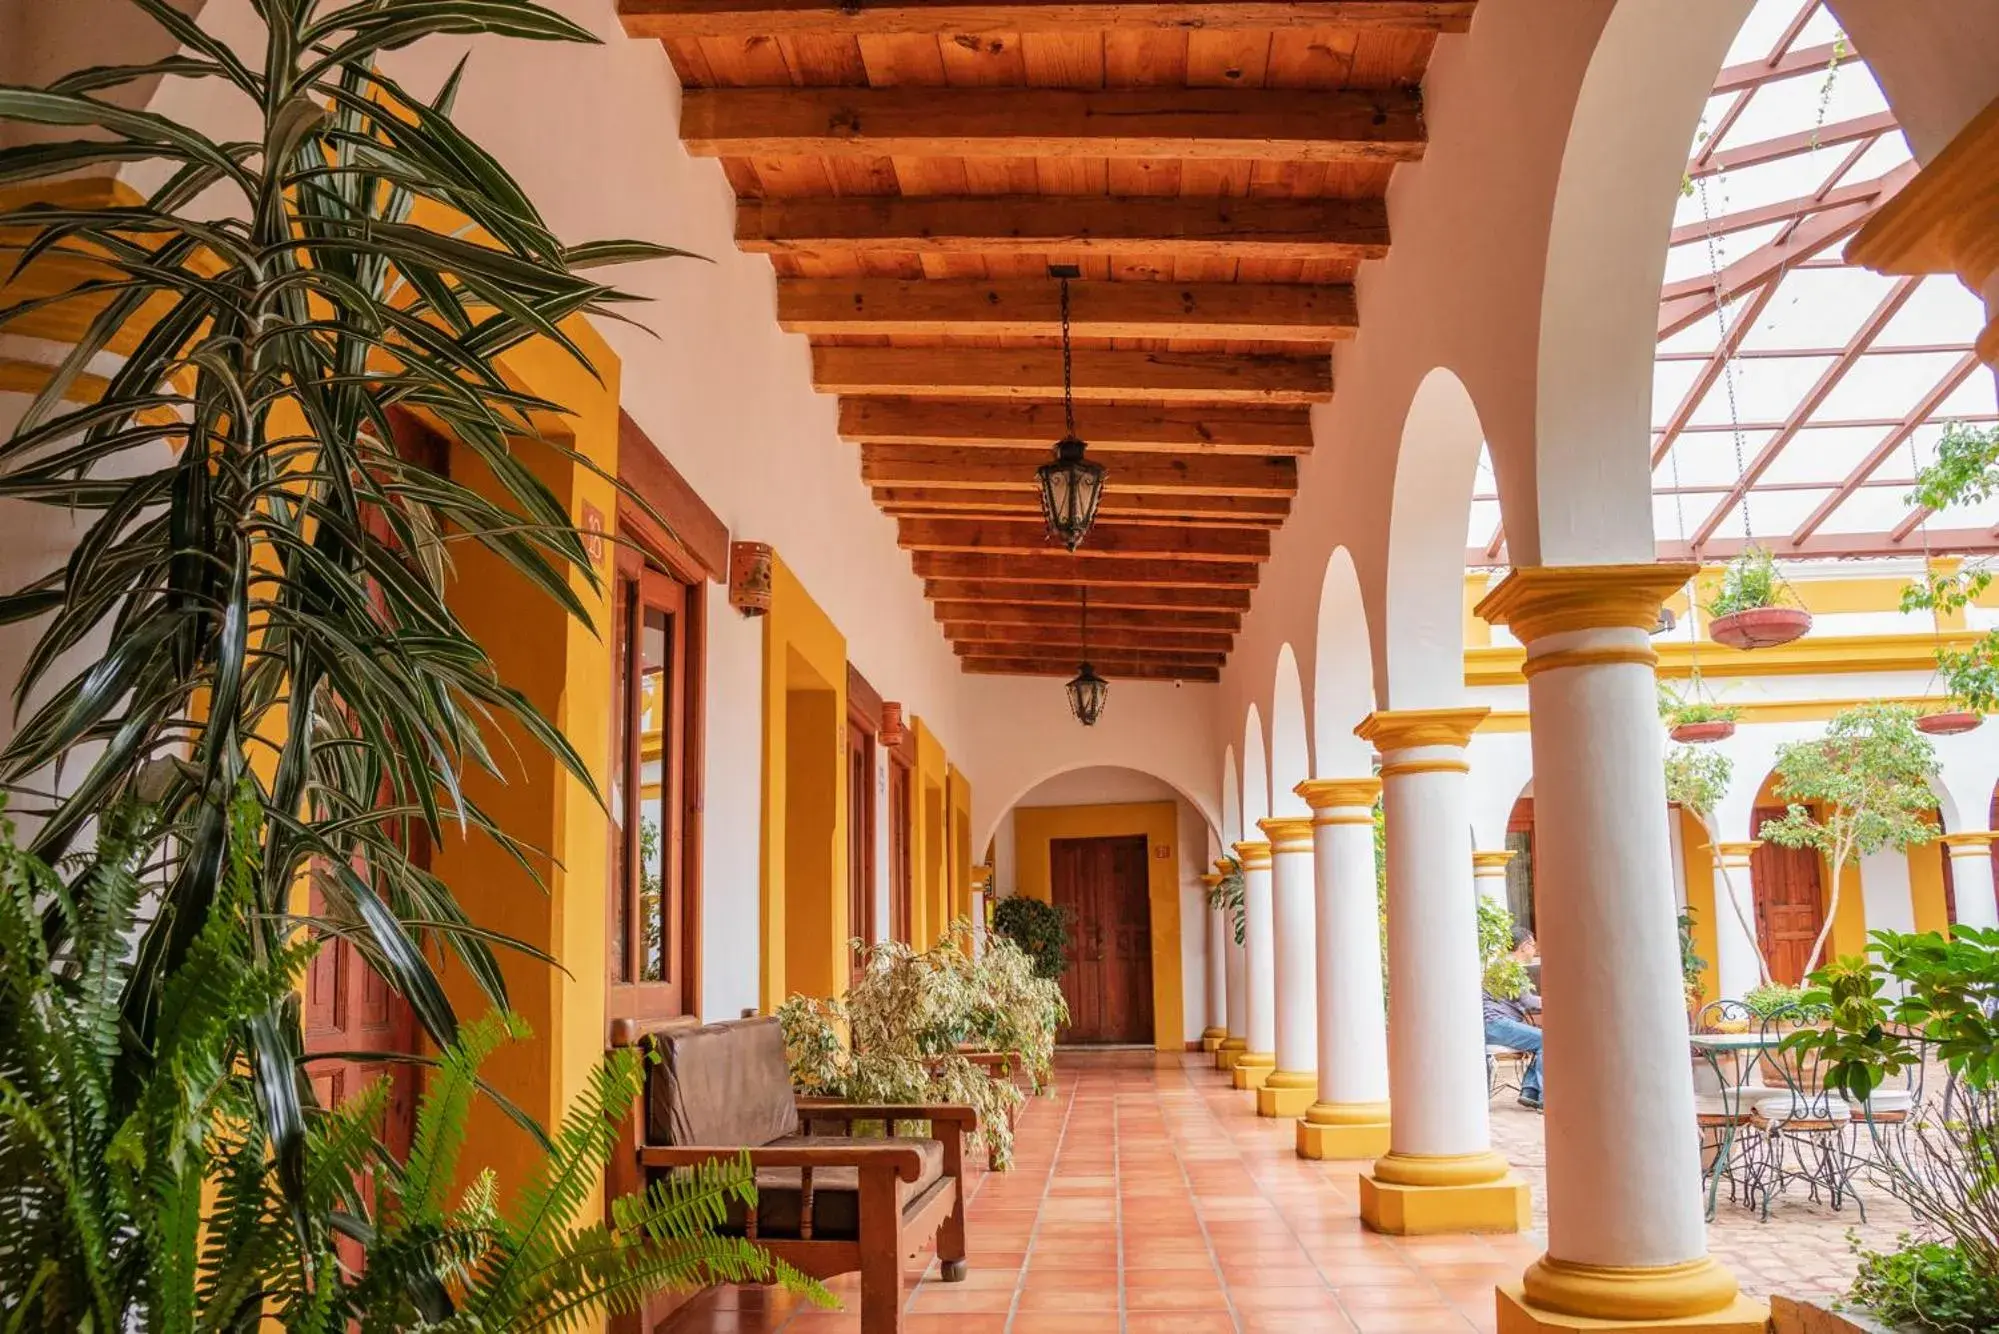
{"points": [[1696, 779], [1860, 788]]}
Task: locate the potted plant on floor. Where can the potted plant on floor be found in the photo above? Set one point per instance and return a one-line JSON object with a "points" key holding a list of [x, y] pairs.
{"points": [[1754, 608]]}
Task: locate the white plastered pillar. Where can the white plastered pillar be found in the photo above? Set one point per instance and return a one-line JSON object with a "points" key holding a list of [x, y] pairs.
{"points": [[1349, 1118], [1215, 969], [1259, 1056], [1627, 1240], [1488, 873], [1971, 877], [1289, 1088], [1235, 979], [1440, 1173]]}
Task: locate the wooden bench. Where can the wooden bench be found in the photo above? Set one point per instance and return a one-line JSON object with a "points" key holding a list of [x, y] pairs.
{"points": [[826, 1203]]}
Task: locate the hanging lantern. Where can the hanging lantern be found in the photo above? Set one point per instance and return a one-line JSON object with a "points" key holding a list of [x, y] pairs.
{"points": [[1087, 693], [1071, 485]]}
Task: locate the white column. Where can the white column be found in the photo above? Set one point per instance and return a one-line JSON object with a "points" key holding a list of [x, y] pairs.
{"points": [[1259, 1057], [1488, 874], [1440, 1173], [1971, 877], [1289, 1088], [1737, 971], [1349, 1119], [1626, 1236], [1215, 970]]}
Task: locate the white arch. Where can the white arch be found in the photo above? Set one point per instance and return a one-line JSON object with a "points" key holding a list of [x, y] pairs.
{"points": [[1435, 469], [1231, 825], [1290, 741], [1342, 671], [1255, 776]]}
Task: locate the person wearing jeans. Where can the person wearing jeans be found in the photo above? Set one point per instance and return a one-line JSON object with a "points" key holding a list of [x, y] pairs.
{"points": [[1506, 1024]]}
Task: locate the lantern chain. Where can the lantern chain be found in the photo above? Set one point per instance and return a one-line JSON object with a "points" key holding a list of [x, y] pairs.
{"points": [[1068, 367]]}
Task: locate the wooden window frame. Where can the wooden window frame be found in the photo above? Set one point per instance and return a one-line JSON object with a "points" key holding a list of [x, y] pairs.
{"points": [[901, 828], [864, 720]]}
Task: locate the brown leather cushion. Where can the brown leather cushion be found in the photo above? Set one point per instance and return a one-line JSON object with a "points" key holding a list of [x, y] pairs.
{"points": [[836, 1194], [721, 1083]]}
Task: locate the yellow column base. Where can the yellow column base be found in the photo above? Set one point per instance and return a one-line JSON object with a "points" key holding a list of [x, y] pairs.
{"points": [[1562, 1295], [1516, 1316], [1229, 1052], [1287, 1093], [1409, 1195], [1344, 1132], [1252, 1068], [1211, 1038]]}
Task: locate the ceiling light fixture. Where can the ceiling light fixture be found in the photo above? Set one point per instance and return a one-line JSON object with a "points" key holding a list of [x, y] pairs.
{"points": [[1087, 690], [1071, 485]]}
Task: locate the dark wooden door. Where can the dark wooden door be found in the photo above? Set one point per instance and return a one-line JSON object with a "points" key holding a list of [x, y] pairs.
{"points": [[1790, 902], [900, 878], [860, 836], [1107, 977]]}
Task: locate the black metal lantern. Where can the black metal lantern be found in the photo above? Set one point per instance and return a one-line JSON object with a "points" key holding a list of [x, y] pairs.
{"points": [[1071, 485], [1087, 690]]}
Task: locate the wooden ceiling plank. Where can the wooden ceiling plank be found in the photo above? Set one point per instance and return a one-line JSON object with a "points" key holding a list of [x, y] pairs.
{"points": [[1032, 308], [1174, 124], [1187, 511], [1036, 372], [1126, 653], [1065, 614], [1059, 567], [1049, 225], [1016, 666], [995, 594], [1108, 542], [983, 635], [990, 423], [1010, 470], [757, 18]]}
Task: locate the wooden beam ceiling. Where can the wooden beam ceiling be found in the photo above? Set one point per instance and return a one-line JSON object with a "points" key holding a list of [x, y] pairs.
{"points": [[991, 423], [1201, 511], [1065, 615], [1031, 308], [979, 636], [1036, 372], [996, 593], [1110, 669], [1059, 567], [1232, 124], [1189, 228], [1013, 470], [950, 18], [1108, 543]]}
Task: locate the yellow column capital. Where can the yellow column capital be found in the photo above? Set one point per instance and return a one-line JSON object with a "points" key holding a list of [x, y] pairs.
{"points": [[1971, 839], [1288, 833], [1222, 867], [1737, 854], [1254, 856], [1324, 794], [1211, 880], [1490, 863], [1403, 729], [1540, 600]]}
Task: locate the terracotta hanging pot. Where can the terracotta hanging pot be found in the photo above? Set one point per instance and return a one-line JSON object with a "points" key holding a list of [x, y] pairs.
{"points": [[1760, 627], [1948, 724], [1695, 734]]}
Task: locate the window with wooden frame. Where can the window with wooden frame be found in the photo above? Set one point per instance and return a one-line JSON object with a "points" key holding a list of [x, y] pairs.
{"points": [[901, 880], [864, 720]]}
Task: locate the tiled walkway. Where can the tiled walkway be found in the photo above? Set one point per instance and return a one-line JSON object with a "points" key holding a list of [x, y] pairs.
{"points": [[1149, 1198]]}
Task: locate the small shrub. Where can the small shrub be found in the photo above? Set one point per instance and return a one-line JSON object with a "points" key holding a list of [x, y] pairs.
{"points": [[1925, 1285], [1040, 929], [1772, 999], [1751, 581]]}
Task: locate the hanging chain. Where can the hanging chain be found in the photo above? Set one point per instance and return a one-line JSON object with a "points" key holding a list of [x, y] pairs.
{"points": [[1728, 355], [1086, 622], [1068, 373]]}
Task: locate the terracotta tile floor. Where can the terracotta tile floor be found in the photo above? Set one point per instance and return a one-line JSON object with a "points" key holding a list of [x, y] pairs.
{"points": [[1149, 1198]]}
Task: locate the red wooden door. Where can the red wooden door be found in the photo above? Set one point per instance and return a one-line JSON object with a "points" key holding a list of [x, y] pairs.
{"points": [[1107, 977], [1790, 902]]}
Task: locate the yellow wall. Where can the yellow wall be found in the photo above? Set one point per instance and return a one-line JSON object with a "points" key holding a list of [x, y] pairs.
{"points": [[1932, 913], [1035, 827], [929, 841], [1697, 876], [803, 895], [959, 793]]}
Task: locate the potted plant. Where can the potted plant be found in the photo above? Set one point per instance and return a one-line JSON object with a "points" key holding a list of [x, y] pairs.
{"points": [[1750, 612], [1692, 965], [1966, 472], [1692, 720], [1040, 929], [1948, 722]]}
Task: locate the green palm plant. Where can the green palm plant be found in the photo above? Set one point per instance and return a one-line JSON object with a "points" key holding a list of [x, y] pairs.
{"points": [[266, 573]]}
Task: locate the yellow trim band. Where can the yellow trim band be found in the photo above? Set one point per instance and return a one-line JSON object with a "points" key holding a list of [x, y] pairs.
{"points": [[1612, 1292], [1323, 794], [1397, 768], [1254, 856], [1288, 833], [1636, 655], [1488, 864], [1405, 729]]}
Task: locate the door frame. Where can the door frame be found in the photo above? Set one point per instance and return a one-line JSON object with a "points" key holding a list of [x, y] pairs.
{"points": [[1083, 939], [864, 720]]}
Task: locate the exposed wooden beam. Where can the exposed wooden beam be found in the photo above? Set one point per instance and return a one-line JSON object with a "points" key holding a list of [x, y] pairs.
{"points": [[1234, 124], [1036, 372], [1031, 308], [1740, 324], [979, 637], [1107, 541], [1784, 210], [1065, 614], [1013, 469], [1185, 508], [1344, 230], [1192, 657], [1942, 542], [1790, 145], [1755, 73], [992, 594], [1059, 567], [951, 18], [1220, 429], [1109, 668]]}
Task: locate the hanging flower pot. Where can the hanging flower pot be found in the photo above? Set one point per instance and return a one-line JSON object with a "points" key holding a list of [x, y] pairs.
{"points": [[1760, 627], [1695, 734], [1949, 723]]}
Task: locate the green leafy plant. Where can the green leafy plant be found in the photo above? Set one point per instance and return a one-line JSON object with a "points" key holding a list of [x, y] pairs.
{"points": [[1504, 976], [1228, 896], [1925, 1285], [1692, 965], [1040, 929], [1677, 710], [1862, 787], [1773, 1000], [1966, 471], [265, 570], [1697, 778], [1749, 582]]}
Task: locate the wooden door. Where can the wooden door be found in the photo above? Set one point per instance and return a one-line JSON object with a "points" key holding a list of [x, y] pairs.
{"points": [[1790, 902], [1107, 973]]}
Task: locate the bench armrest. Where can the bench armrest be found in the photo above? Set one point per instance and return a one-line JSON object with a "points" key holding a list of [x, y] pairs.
{"points": [[832, 1109], [867, 1155]]}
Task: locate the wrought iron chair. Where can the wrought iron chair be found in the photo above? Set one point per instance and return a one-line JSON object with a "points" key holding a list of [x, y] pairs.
{"points": [[1726, 1082], [1805, 1127]]}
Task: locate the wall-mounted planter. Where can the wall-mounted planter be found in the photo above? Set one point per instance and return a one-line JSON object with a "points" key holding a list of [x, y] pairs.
{"points": [[1760, 627], [1948, 724], [1697, 734]]}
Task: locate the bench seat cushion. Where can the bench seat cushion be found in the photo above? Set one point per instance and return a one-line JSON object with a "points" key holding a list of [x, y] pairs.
{"points": [[836, 1194], [721, 1084]]}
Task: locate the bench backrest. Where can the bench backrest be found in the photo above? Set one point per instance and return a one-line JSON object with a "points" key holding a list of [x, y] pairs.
{"points": [[722, 1084]]}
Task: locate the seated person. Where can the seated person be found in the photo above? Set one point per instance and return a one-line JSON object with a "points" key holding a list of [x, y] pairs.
{"points": [[1506, 1023]]}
